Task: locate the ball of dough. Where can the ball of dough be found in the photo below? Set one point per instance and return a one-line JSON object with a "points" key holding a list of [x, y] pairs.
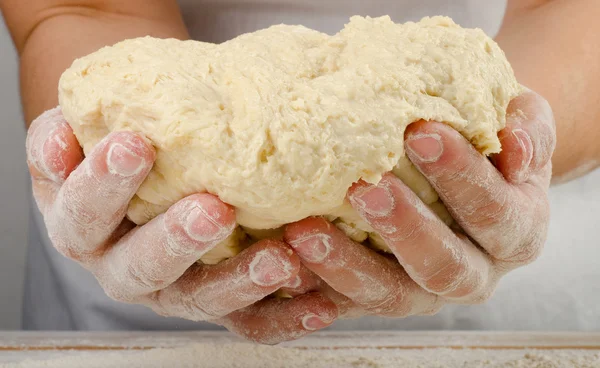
{"points": [[280, 122]]}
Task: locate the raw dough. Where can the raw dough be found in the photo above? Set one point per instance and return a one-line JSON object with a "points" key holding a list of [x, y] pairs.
{"points": [[280, 122]]}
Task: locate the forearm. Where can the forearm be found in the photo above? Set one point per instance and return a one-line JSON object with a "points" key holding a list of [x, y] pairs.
{"points": [[52, 36], [553, 48]]}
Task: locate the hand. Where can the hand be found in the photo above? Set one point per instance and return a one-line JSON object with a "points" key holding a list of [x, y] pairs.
{"points": [[503, 212], [84, 201]]}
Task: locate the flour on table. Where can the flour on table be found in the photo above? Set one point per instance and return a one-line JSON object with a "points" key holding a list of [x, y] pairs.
{"points": [[243, 355], [279, 123]]}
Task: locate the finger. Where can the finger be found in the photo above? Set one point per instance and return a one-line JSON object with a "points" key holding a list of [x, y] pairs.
{"points": [[52, 154], [52, 149], [304, 282], [434, 257], [503, 218], [272, 321], [208, 292], [347, 308], [307, 281], [155, 255], [93, 200], [370, 280], [529, 138]]}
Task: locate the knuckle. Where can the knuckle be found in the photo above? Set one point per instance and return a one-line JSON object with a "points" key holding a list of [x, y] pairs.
{"points": [[194, 299], [68, 246], [483, 295], [435, 308], [81, 226], [77, 211], [116, 284], [115, 292], [500, 222], [488, 208], [533, 237], [528, 253], [141, 277], [177, 303], [396, 303], [154, 302], [451, 277], [64, 247], [199, 310]]}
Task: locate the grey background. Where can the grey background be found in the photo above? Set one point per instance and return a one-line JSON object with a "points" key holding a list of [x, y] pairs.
{"points": [[13, 187]]}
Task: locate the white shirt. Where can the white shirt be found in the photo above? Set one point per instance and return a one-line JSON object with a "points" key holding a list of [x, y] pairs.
{"points": [[559, 291]]}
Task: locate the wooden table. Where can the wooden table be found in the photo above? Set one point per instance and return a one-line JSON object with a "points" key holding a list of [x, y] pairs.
{"points": [[16, 346]]}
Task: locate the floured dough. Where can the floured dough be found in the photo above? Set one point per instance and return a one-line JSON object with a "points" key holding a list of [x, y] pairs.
{"points": [[280, 122]]}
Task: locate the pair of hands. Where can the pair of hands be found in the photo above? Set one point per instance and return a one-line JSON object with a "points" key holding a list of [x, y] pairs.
{"points": [[501, 205]]}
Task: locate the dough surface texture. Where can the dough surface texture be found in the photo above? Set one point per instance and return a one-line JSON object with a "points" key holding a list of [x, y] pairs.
{"points": [[279, 123]]}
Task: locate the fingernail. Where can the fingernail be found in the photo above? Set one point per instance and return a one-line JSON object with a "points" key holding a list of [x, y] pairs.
{"points": [[313, 248], [375, 200], [52, 163], [266, 269], [312, 322], [426, 148], [46, 145], [201, 226], [122, 161], [527, 147]]}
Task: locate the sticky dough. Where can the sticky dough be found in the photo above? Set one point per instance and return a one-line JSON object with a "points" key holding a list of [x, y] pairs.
{"points": [[280, 122]]}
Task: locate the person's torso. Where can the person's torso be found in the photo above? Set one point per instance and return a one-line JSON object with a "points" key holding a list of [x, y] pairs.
{"points": [[221, 20], [559, 291]]}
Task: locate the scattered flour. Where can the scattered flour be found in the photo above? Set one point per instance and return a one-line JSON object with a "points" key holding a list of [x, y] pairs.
{"points": [[245, 355]]}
